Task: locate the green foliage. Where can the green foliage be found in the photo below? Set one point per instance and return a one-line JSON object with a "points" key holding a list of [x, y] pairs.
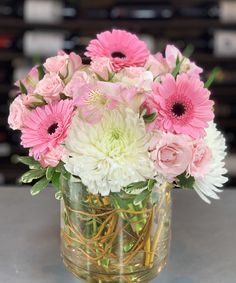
{"points": [[150, 117], [212, 77], [49, 173], [188, 51], [39, 186], [41, 72], [23, 88], [31, 175], [177, 67], [138, 200], [185, 182], [27, 160]]}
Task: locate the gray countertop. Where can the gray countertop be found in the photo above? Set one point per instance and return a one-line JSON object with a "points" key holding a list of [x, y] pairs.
{"points": [[203, 239]]}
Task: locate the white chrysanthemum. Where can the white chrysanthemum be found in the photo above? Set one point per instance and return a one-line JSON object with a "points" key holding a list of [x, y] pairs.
{"points": [[208, 185], [111, 154]]}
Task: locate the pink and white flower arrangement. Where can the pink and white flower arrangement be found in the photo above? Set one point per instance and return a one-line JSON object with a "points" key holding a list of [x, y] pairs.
{"points": [[128, 117]]}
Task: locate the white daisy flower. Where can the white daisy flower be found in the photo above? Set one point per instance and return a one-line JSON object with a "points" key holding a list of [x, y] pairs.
{"points": [[209, 185], [111, 154]]}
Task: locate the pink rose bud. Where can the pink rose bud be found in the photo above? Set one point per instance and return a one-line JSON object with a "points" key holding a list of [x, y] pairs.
{"points": [[201, 159], [17, 114], [50, 87]]}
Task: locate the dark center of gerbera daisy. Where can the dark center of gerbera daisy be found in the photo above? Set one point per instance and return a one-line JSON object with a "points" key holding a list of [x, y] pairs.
{"points": [[52, 128], [178, 109], [117, 54]]}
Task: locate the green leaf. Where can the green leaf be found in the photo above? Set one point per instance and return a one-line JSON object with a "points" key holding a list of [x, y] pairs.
{"points": [[188, 51], [23, 88], [150, 117], [177, 67], [151, 183], [49, 173], [128, 246], [27, 160], [31, 175], [59, 195], [141, 197], [39, 186], [56, 180], [41, 72], [185, 182], [137, 185], [212, 77]]}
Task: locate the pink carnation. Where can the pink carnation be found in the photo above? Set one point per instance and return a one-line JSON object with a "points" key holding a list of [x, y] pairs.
{"points": [[30, 81], [63, 64], [201, 158], [18, 113], [50, 87], [51, 157], [182, 106], [171, 154], [46, 127], [123, 48]]}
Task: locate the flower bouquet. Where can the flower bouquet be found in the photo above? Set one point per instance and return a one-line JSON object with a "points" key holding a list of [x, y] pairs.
{"points": [[114, 137]]}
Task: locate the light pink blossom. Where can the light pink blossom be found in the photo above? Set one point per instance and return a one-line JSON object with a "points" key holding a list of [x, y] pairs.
{"points": [[30, 81], [17, 113], [171, 154], [94, 99], [157, 65], [63, 64], [171, 55], [102, 67], [201, 159], [50, 87], [79, 79]]}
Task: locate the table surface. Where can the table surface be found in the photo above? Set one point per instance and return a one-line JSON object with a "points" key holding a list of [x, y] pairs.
{"points": [[203, 246]]}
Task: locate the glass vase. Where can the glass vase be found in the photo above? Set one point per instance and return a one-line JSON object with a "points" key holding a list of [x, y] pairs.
{"points": [[116, 238]]}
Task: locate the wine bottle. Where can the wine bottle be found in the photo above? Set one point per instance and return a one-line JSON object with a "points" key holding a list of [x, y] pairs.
{"points": [[48, 11], [209, 9], [228, 11], [11, 8], [225, 43], [142, 11]]}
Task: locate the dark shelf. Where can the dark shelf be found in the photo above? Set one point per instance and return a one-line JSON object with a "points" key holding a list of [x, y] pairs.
{"points": [[104, 24]]}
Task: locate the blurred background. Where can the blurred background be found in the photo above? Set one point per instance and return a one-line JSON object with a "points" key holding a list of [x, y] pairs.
{"points": [[31, 30]]}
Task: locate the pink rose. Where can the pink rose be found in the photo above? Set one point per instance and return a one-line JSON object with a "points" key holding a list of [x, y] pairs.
{"points": [[63, 64], [17, 114], [171, 154], [50, 87], [102, 67], [51, 157], [79, 79], [201, 159], [30, 81]]}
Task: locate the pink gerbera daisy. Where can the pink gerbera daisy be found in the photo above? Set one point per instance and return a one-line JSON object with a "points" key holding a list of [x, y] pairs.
{"points": [[46, 127], [183, 106], [123, 48]]}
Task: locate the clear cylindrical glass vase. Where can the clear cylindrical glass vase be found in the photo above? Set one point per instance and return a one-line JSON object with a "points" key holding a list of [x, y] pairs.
{"points": [[118, 238]]}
